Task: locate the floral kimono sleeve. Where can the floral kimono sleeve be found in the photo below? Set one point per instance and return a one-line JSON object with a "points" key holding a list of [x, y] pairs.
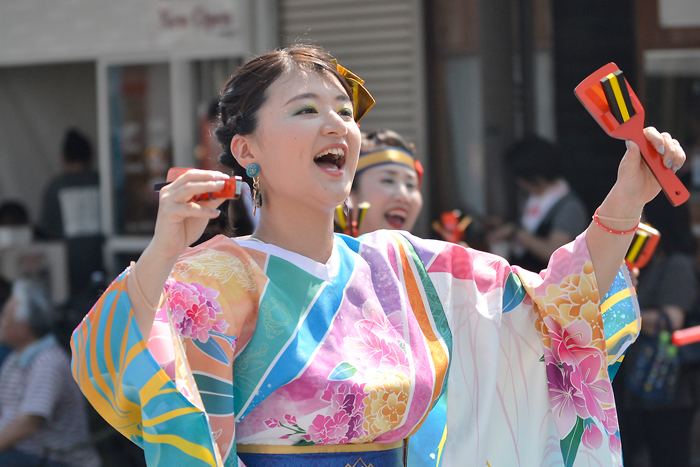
{"points": [[126, 385], [584, 338], [532, 360]]}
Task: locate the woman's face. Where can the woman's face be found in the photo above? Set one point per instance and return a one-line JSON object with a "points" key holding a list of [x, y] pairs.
{"points": [[393, 194], [306, 143]]}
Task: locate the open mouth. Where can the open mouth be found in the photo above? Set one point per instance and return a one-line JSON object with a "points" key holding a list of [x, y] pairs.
{"points": [[331, 160], [396, 218]]}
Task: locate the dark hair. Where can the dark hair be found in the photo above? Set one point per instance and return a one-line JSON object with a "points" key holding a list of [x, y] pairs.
{"points": [[213, 110], [246, 91], [535, 157], [13, 213], [384, 138], [5, 291], [76, 147]]}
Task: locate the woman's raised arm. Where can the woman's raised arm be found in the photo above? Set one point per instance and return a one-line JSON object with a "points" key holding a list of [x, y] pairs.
{"points": [[622, 208], [180, 222]]}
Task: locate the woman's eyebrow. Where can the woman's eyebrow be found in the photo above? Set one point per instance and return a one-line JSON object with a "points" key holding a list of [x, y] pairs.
{"points": [[312, 95], [306, 95], [388, 171], [395, 172]]}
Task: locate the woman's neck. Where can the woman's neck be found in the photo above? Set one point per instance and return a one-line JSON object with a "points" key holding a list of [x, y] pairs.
{"points": [[305, 231]]}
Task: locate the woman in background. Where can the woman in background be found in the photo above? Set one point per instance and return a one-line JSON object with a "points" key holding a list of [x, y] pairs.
{"points": [[388, 177]]}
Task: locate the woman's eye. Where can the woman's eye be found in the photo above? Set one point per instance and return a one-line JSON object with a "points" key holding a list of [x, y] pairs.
{"points": [[388, 181], [411, 186], [306, 110], [345, 112]]}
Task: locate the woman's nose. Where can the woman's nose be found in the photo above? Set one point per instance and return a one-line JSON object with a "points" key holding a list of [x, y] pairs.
{"points": [[401, 191], [335, 124]]}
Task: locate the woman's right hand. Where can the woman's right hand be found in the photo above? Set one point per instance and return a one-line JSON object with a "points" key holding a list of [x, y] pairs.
{"points": [[181, 220]]}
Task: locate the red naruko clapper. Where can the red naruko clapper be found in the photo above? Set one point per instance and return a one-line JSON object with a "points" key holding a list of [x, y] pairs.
{"points": [[610, 100], [232, 187]]}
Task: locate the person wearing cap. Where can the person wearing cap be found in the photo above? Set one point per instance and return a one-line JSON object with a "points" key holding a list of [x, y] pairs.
{"points": [[388, 178]]}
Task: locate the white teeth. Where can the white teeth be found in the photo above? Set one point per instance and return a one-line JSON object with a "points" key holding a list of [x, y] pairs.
{"points": [[397, 213], [337, 152]]}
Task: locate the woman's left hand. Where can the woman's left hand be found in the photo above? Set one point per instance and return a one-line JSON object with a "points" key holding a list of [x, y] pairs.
{"points": [[622, 208], [634, 178]]}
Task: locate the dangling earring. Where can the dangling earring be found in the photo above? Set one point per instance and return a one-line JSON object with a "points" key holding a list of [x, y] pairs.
{"points": [[253, 171]]}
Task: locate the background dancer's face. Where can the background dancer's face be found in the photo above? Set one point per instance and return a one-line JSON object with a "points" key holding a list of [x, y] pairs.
{"points": [[306, 143], [394, 196]]}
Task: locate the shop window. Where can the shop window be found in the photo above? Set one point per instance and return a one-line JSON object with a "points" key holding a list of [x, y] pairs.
{"points": [[141, 144]]}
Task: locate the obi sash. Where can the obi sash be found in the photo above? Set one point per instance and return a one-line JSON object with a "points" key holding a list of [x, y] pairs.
{"points": [[343, 455]]}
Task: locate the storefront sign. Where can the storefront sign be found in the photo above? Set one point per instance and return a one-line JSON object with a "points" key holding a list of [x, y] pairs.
{"points": [[198, 18], [36, 31]]}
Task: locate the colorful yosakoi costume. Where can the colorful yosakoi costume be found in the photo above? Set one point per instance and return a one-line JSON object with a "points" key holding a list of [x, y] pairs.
{"points": [[269, 358]]}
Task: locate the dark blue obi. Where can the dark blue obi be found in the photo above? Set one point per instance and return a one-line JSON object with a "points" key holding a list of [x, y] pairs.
{"points": [[344, 455]]}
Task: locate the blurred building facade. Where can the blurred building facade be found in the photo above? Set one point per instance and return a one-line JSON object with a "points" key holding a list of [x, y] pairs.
{"points": [[462, 79]]}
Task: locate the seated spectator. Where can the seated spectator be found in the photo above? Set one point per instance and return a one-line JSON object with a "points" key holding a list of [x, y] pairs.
{"points": [[42, 417]]}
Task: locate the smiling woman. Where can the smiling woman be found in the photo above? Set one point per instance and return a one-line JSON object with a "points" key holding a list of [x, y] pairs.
{"points": [[388, 178], [295, 346]]}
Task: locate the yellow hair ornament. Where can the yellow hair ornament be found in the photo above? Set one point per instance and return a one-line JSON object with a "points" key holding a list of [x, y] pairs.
{"points": [[362, 100]]}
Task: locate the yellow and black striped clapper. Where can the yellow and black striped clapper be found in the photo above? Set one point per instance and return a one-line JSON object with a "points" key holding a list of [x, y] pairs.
{"points": [[643, 245], [618, 96]]}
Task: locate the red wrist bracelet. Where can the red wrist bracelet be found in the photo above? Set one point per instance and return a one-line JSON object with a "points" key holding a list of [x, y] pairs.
{"points": [[596, 220]]}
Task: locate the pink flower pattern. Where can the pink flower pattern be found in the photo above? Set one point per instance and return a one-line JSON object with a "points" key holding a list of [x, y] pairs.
{"points": [[592, 437], [329, 430], [567, 401], [376, 347], [194, 309], [272, 423], [576, 361]]}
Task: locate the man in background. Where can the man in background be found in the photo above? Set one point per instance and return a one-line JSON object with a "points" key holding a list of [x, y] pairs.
{"points": [[71, 211]]}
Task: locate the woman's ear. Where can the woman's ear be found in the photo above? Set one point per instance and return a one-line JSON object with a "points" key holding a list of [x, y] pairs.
{"points": [[241, 150]]}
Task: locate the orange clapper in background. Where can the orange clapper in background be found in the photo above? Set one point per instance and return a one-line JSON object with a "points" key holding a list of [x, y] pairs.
{"points": [[344, 219], [642, 247], [686, 336], [232, 187], [610, 100], [451, 226]]}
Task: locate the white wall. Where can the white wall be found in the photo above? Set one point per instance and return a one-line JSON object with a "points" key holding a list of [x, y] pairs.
{"points": [[37, 104]]}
